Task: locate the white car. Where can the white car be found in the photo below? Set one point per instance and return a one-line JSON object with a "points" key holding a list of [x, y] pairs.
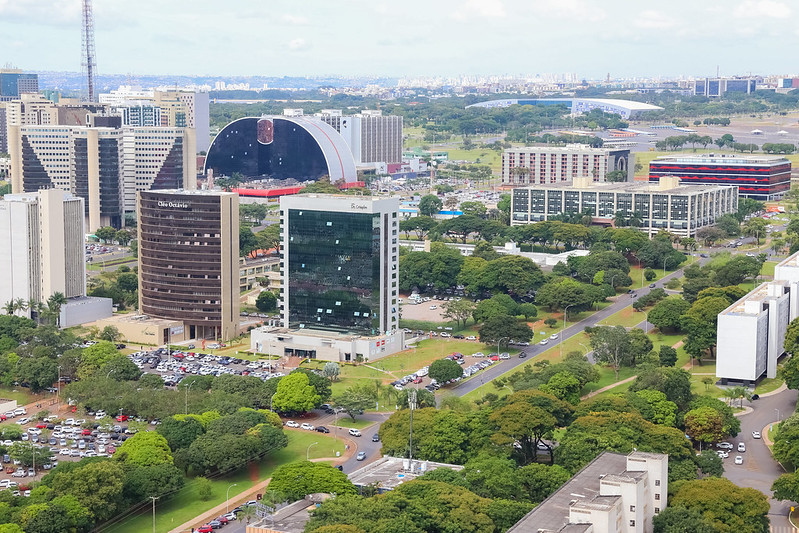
{"points": [[544, 342], [741, 447], [739, 460], [755, 434], [23, 421], [471, 338], [553, 336], [445, 334], [478, 354], [354, 432], [433, 307], [724, 445], [722, 454], [307, 426], [292, 424], [504, 355]]}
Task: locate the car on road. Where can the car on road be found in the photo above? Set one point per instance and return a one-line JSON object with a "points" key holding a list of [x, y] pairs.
{"points": [[292, 424], [553, 336], [361, 456], [522, 355], [471, 338], [722, 454], [206, 528], [724, 445], [741, 447], [354, 432], [739, 460], [651, 285], [306, 425], [755, 434], [544, 342], [322, 429], [375, 438], [504, 355]]}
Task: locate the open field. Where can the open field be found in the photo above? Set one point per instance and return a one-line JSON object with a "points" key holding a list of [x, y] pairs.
{"points": [[627, 317], [176, 509]]}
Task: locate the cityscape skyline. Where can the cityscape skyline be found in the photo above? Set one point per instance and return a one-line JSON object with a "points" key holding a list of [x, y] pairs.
{"points": [[422, 39]]}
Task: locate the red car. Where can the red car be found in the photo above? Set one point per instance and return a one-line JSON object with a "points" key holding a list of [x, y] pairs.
{"points": [[494, 358], [86, 432], [122, 418], [204, 529], [41, 425], [223, 520]]}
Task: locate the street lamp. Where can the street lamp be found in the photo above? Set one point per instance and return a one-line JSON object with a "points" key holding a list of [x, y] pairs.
{"points": [[565, 313], [308, 451], [499, 341], [227, 498], [664, 264]]}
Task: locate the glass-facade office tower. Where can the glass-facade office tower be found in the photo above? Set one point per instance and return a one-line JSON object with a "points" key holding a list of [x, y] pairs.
{"points": [[339, 263]]}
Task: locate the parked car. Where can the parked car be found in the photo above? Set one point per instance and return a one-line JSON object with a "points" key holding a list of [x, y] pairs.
{"points": [[322, 429], [739, 460], [741, 447], [724, 445], [292, 424], [205, 529], [307, 426], [722, 454]]}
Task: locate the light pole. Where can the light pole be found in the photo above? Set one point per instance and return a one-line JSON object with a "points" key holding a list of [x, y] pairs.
{"points": [[154, 498], [308, 451], [499, 341], [227, 498], [664, 265], [565, 313], [187, 396]]}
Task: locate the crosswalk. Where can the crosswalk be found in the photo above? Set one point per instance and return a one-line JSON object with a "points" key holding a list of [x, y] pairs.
{"points": [[783, 529]]}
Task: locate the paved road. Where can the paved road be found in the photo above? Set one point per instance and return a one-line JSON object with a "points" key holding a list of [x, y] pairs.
{"points": [[759, 469], [494, 371]]}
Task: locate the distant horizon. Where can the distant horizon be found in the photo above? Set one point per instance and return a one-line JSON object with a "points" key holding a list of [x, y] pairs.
{"points": [[448, 38]]}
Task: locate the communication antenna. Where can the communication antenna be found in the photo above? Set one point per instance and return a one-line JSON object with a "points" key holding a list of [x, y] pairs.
{"points": [[412, 405], [88, 58]]}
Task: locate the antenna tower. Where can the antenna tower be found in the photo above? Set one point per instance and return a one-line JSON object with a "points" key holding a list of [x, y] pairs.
{"points": [[88, 58]]}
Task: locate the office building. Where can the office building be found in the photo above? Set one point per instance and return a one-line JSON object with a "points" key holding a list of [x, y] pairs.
{"points": [[339, 269], [371, 136], [716, 87], [102, 163], [281, 147], [139, 114], [188, 261], [751, 332], [41, 253], [761, 177], [532, 165], [611, 494], [623, 108], [14, 82], [667, 205]]}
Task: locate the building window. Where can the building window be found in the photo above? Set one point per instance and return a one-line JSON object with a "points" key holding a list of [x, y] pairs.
{"points": [[657, 510], [657, 496], [632, 523], [632, 508], [657, 482]]}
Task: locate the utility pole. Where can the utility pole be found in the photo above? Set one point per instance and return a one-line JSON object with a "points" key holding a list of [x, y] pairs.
{"points": [[412, 405], [154, 498]]}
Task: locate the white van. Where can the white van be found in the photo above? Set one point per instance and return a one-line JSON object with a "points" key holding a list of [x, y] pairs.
{"points": [[20, 411]]}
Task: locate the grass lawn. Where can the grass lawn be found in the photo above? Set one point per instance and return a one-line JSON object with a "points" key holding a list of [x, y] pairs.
{"points": [[627, 317], [637, 275], [608, 377], [624, 387], [768, 268], [427, 351], [22, 395], [184, 505], [768, 385], [344, 421]]}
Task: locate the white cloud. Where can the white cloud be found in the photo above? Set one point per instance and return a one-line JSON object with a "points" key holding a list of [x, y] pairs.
{"points": [[651, 19], [481, 9], [571, 9], [762, 9], [56, 12], [297, 44], [297, 20]]}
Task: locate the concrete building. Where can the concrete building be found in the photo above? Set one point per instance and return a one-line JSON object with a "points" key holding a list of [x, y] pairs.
{"points": [[536, 165], [667, 205], [751, 332], [371, 136], [716, 87], [102, 163], [611, 494], [339, 268], [188, 260], [14, 82], [387, 473], [139, 114], [761, 177], [623, 108]]}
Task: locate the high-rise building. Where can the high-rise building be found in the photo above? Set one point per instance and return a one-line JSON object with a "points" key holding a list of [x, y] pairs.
{"points": [[340, 263], [761, 177], [715, 87], [14, 82], [102, 163], [534, 165], [41, 246], [188, 260], [371, 136], [139, 114]]}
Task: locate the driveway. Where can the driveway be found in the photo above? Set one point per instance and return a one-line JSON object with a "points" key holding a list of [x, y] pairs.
{"points": [[759, 469]]}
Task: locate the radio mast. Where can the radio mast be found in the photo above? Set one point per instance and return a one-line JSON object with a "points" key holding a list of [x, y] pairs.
{"points": [[88, 58]]}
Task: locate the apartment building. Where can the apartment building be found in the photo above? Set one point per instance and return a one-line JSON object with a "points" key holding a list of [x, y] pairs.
{"points": [[539, 165]]}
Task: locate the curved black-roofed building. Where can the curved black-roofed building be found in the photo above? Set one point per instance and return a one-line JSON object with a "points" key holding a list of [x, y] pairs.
{"points": [[302, 148]]}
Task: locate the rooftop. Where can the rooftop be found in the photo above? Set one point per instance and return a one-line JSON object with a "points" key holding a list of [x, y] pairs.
{"points": [[626, 186], [722, 159], [791, 261], [575, 147], [389, 472], [749, 305]]}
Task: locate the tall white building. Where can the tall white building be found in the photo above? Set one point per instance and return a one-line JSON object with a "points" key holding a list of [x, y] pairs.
{"points": [[537, 165], [371, 136], [41, 246], [751, 332]]}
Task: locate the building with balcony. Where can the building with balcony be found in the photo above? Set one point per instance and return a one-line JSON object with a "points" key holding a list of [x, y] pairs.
{"points": [[613, 493], [666, 205], [536, 165], [761, 177], [189, 260]]}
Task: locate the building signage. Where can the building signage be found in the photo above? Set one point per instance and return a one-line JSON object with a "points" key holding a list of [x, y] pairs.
{"points": [[361, 207], [174, 205], [176, 330]]}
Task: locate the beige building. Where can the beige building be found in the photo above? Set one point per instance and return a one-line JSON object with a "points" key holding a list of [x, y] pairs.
{"points": [[529, 165], [41, 246], [188, 260]]}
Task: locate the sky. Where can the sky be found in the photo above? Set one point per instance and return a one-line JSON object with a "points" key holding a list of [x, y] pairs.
{"points": [[592, 38]]}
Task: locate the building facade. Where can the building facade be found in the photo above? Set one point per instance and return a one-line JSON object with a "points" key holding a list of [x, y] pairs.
{"points": [[188, 261], [611, 494], [536, 165], [667, 205], [371, 136], [760, 177], [41, 246], [751, 332], [14, 82], [715, 87]]}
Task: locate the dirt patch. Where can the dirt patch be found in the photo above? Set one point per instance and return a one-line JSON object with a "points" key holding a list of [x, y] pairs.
{"points": [[423, 311]]}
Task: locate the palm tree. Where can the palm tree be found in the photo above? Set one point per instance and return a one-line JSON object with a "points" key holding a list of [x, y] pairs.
{"points": [[619, 220], [9, 307], [54, 304], [37, 308], [635, 219], [20, 304]]}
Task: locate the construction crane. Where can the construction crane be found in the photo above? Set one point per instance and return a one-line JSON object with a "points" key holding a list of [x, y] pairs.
{"points": [[88, 59]]}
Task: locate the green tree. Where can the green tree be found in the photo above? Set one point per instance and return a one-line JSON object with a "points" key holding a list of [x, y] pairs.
{"points": [[106, 234], [295, 394], [649, 274], [459, 310], [247, 241], [430, 205], [296, 480], [755, 227], [180, 433], [331, 371], [682, 520], [204, 488], [565, 386], [109, 333], [725, 505], [786, 487], [146, 448], [540, 480], [563, 293], [98, 486], [704, 424], [477, 209], [421, 225], [667, 356], [120, 368], [356, 399], [700, 323], [484, 250], [266, 301], [504, 328], [444, 370], [611, 346], [512, 274]]}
